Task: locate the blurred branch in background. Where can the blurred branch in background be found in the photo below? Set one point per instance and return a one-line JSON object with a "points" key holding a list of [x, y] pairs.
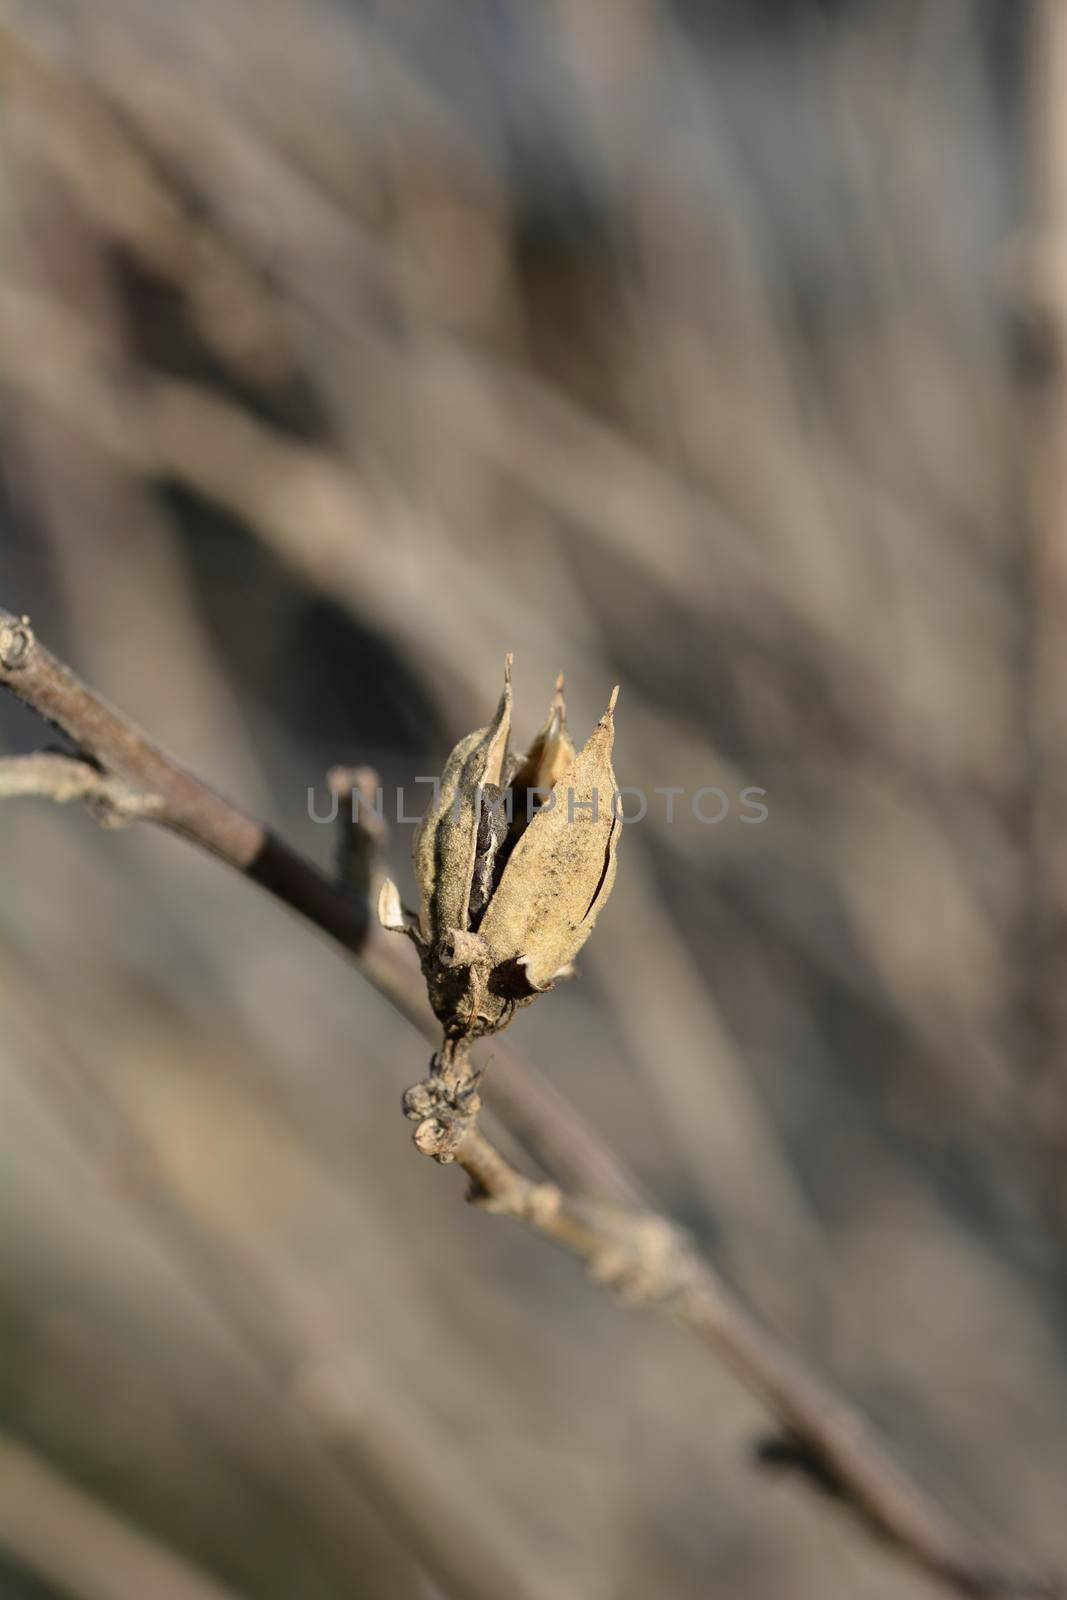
{"points": [[82, 1546]]}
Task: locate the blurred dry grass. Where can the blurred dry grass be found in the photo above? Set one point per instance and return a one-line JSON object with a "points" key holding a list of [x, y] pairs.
{"points": [[344, 347]]}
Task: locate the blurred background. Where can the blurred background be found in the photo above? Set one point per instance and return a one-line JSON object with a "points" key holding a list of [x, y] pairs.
{"points": [[710, 347]]}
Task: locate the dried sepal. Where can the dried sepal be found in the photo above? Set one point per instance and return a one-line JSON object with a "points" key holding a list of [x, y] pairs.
{"points": [[550, 756], [446, 840], [560, 871], [391, 912]]}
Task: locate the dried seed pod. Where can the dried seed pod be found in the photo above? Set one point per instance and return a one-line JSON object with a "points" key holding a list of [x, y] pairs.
{"points": [[507, 901], [560, 871]]}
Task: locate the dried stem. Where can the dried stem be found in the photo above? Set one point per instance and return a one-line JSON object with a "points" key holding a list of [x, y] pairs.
{"points": [[183, 804], [650, 1261], [62, 778], [645, 1257]]}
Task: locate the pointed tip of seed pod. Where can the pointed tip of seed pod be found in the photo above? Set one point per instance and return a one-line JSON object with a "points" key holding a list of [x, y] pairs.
{"points": [[612, 702], [557, 711], [509, 661]]}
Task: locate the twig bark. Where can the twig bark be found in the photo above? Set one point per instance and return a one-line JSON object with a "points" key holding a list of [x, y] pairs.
{"points": [[643, 1256]]}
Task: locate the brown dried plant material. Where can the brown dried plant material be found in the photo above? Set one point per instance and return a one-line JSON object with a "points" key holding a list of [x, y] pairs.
{"points": [[446, 840], [548, 758], [561, 870], [510, 893]]}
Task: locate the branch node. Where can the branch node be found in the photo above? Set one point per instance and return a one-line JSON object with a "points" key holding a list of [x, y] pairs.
{"points": [[16, 644], [446, 1104], [115, 804], [645, 1260], [110, 801], [440, 1137]]}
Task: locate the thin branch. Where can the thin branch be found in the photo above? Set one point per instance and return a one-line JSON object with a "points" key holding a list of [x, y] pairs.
{"points": [[62, 779], [185, 805], [645, 1257], [651, 1262]]}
